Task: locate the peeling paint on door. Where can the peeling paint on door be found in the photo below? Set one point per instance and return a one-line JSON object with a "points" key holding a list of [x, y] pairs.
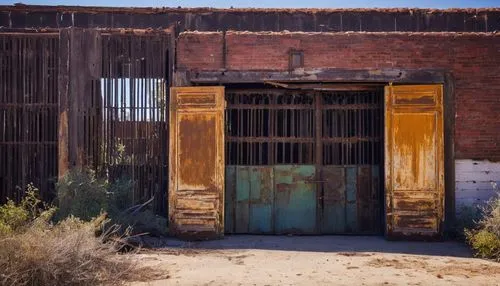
{"points": [[196, 176], [414, 165]]}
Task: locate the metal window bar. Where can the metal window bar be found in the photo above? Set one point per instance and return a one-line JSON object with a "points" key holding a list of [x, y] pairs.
{"points": [[351, 133], [269, 127], [277, 126]]}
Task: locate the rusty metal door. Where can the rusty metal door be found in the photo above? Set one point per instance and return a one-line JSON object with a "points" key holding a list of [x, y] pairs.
{"points": [[196, 176], [303, 162], [414, 164]]}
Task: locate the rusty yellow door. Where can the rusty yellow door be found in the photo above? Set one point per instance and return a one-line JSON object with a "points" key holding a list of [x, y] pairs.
{"points": [[196, 169], [414, 161]]}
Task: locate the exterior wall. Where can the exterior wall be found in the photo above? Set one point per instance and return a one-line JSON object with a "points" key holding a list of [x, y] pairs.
{"points": [[473, 60]]}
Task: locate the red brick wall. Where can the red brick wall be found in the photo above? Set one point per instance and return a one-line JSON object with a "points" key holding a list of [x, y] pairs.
{"points": [[473, 59], [200, 50]]}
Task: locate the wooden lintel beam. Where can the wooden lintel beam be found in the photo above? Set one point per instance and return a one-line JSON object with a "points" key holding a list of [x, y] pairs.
{"points": [[317, 75], [325, 86]]}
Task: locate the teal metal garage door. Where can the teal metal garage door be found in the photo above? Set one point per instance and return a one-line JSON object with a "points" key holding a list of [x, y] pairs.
{"points": [[302, 162]]}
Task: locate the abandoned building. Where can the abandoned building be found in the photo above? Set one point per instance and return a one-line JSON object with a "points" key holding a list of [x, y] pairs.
{"points": [[259, 121]]}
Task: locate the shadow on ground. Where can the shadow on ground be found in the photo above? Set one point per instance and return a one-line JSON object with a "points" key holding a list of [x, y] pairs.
{"points": [[349, 245]]}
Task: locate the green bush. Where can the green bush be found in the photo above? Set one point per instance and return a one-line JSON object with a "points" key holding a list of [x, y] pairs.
{"points": [[14, 217], [484, 238], [485, 244], [81, 194], [121, 195]]}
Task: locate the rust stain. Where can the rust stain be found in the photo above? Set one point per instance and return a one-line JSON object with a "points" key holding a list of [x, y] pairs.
{"points": [[414, 150], [196, 150], [334, 187]]}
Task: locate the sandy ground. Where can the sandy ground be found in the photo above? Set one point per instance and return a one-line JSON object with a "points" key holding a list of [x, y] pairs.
{"points": [[319, 260]]}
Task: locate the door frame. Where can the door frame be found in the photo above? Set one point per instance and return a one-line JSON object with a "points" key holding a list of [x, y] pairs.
{"points": [[338, 75]]}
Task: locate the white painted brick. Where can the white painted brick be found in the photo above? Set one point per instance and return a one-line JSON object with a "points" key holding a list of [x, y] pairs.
{"points": [[474, 181]]}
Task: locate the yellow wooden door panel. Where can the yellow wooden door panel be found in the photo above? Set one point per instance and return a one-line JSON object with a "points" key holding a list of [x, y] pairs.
{"points": [[414, 160], [414, 151], [196, 169]]}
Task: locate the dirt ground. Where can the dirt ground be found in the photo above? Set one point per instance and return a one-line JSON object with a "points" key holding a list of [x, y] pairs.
{"points": [[319, 260]]}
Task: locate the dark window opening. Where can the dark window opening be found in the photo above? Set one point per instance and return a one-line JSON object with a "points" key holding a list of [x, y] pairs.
{"points": [[351, 127], [268, 127], [278, 126]]}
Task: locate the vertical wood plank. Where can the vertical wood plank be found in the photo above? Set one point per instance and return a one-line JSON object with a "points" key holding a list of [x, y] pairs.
{"points": [[63, 90]]}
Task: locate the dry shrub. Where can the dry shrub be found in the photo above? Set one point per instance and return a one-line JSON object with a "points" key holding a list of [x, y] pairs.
{"points": [[65, 254], [83, 194], [34, 251], [485, 237]]}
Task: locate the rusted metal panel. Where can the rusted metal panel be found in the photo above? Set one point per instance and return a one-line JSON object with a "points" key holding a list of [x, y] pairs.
{"points": [[229, 199], [254, 202], [334, 200], [196, 173], [377, 199], [368, 199], [351, 207], [296, 199], [28, 114], [363, 198], [261, 200], [414, 161], [242, 212]]}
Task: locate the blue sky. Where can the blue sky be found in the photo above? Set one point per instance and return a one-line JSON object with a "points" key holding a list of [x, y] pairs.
{"points": [[271, 3]]}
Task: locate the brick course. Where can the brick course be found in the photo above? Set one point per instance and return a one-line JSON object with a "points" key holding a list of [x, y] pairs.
{"points": [[472, 58]]}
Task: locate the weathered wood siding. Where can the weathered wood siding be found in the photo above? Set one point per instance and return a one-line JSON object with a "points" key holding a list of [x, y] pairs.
{"points": [[28, 114], [212, 19]]}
